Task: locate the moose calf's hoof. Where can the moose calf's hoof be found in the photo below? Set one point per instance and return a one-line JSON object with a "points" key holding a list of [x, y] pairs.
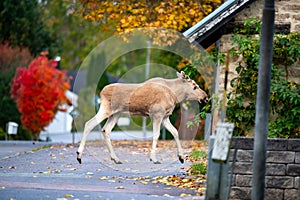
{"points": [[155, 162], [116, 161], [78, 159], [181, 159]]}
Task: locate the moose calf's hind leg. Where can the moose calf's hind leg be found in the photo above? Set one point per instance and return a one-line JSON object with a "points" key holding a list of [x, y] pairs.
{"points": [[111, 121], [156, 132]]}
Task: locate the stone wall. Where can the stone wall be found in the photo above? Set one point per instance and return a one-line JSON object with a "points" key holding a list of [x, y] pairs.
{"points": [[282, 169]]}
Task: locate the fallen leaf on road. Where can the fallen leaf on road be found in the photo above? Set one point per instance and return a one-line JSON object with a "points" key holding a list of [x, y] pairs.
{"points": [[69, 195], [120, 187], [103, 178], [56, 171], [185, 195], [89, 173]]}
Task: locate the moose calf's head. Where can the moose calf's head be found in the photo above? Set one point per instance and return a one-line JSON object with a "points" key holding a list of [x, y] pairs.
{"points": [[192, 89]]}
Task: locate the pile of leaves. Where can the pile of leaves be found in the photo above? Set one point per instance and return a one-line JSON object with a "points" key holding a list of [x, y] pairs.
{"points": [[39, 92], [195, 179]]}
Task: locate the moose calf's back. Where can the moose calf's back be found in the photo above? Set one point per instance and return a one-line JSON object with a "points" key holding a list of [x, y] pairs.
{"points": [[138, 99]]}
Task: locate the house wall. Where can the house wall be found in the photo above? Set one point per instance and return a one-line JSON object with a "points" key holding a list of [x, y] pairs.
{"points": [[282, 169], [286, 11]]}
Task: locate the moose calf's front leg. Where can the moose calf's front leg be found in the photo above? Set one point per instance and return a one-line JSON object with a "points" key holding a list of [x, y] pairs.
{"points": [[167, 124]]}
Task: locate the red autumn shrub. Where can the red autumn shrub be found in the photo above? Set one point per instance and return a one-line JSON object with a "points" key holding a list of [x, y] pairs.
{"points": [[39, 91]]}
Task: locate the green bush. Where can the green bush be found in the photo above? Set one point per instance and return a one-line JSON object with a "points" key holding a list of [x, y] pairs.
{"points": [[198, 168], [196, 154]]}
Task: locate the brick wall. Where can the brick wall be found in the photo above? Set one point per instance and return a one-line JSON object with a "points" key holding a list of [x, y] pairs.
{"points": [[282, 169]]}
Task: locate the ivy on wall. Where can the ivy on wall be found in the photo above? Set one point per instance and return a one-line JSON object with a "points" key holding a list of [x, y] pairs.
{"points": [[284, 120]]}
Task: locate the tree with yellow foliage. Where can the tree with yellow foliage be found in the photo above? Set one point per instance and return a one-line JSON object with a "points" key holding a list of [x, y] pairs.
{"points": [[177, 15]]}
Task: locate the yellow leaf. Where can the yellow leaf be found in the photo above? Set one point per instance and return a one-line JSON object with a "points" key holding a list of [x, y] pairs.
{"points": [[103, 178], [185, 180], [89, 173], [120, 187], [68, 196], [185, 195], [144, 182], [122, 21]]}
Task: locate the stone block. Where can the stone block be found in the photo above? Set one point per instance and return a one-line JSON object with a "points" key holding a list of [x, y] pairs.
{"points": [[295, 71], [293, 169], [294, 144], [291, 194], [283, 17], [273, 194], [291, 7], [280, 182], [233, 180], [297, 183], [280, 157], [275, 169], [242, 143], [297, 29], [244, 155], [240, 193], [277, 144], [243, 168], [297, 157], [243, 180], [296, 17], [231, 155]]}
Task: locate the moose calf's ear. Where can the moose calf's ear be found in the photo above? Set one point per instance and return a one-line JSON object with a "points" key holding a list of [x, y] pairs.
{"points": [[178, 75], [183, 76]]}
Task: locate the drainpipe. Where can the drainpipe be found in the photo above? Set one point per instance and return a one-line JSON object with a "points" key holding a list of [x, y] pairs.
{"points": [[263, 101]]}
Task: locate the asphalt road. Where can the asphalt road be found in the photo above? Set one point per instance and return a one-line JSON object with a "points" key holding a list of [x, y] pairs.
{"points": [[32, 171]]}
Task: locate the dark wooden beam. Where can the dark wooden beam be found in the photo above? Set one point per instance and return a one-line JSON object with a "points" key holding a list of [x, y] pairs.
{"points": [[232, 27]]}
